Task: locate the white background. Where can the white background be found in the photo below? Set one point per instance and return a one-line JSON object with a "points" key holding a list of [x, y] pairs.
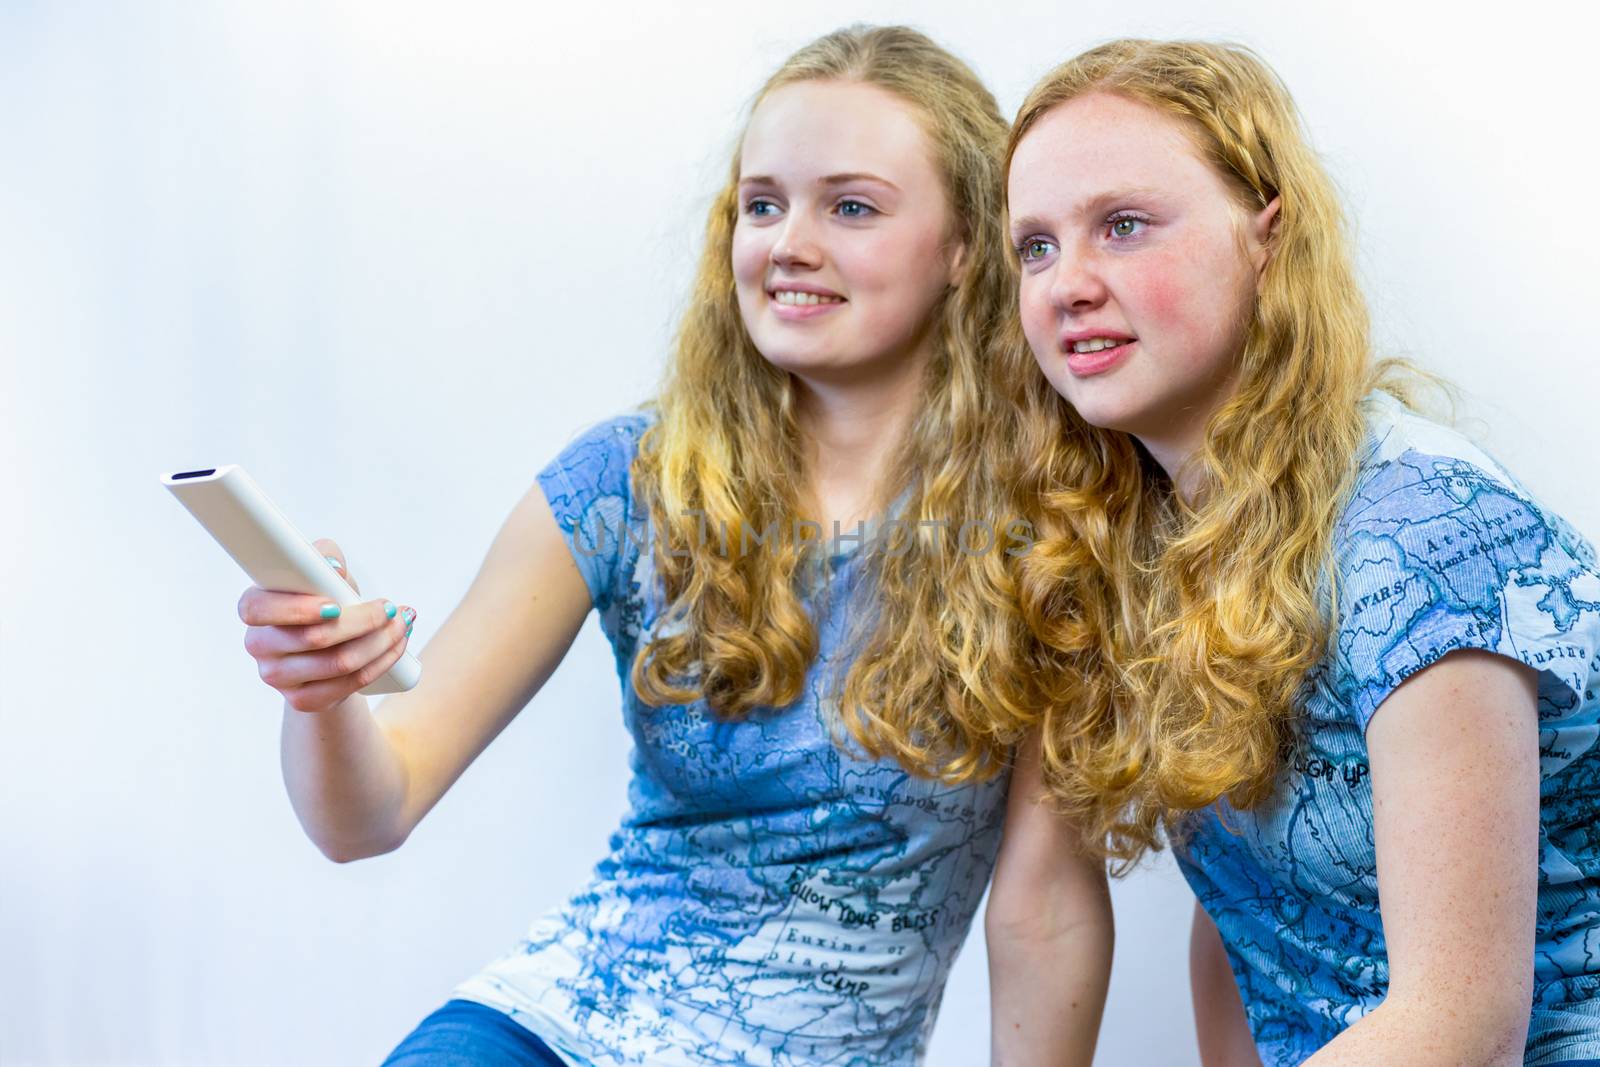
{"points": [[390, 257]]}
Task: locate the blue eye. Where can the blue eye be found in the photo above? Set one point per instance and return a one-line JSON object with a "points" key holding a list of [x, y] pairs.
{"points": [[1034, 249], [761, 208], [855, 209]]}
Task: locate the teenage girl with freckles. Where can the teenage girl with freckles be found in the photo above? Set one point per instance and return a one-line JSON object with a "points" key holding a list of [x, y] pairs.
{"points": [[782, 890], [1329, 649]]}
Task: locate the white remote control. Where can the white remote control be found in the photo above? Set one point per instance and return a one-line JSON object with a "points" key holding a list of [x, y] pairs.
{"points": [[272, 552]]}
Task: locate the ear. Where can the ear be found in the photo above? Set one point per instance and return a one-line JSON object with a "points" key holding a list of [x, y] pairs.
{"points": [[958, 262], [1262, 226]]}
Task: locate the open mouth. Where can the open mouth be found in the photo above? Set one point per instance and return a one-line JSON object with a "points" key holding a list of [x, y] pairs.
{"points": [[1090, 345], [1096, 354], [797, 298]]}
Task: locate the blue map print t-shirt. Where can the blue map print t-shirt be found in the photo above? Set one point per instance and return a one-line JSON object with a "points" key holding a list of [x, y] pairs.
{"points": [[1439, 549], [771, 898]]}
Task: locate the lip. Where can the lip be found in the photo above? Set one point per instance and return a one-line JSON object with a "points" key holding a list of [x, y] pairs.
{"points": [[799, 287], [1067, 340], [1088, 364], [797, 312]]}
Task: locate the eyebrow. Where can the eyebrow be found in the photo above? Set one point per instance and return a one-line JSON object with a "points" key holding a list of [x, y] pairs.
{"points": [[829, 180], [1025, 225], [1092, 206]]}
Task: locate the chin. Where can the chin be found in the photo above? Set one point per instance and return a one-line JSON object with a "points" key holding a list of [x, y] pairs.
{"points": [[1102, 410], [794, 359], [817, 359]]}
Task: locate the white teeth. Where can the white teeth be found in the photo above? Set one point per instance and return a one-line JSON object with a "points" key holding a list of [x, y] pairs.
{"points": [[1095, 344], [793, 298]]}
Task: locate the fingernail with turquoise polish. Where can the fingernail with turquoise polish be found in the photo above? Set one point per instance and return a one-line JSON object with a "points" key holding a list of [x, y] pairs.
{"points": [[335, 564], [408, 631], [389, 609], [411, 615], [330, 611]]}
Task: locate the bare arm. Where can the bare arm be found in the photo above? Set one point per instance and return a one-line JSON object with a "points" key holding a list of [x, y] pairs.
{"points": [[1049, 930], [361, 779], [1220, 1025], [1455, 798]]}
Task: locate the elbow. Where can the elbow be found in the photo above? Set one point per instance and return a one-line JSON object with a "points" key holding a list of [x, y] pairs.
{"points": [[1500, 1021], [345, 854], [350, 851], [345, 840], [1505, 1034], [1489, 1031]]}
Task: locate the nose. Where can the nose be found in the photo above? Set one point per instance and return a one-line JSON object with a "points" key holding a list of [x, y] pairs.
{"points": [[1077, 284], [796, 246]]}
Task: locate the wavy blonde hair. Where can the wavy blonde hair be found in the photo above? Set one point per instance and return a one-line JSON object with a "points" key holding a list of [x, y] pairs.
{"points": [[1171, 637], [726, 452]]}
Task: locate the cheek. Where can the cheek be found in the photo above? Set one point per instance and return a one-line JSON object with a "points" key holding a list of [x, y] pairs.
{"points": [[1185, 302], [1166, 301], [865, 263], [1038, 317], [1157, 294], [750, 256], [903, 263]]}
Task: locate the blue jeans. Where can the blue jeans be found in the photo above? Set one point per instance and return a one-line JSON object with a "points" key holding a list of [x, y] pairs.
{"points": [[467, 1034]]}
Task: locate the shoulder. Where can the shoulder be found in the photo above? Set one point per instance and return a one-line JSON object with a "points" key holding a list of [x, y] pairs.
{"points": [[595, 452], [589, 487], [1440, 501], [1440, 548], [596, 463]]}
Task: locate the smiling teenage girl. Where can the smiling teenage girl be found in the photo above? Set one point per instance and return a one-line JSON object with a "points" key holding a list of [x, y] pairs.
{"points": [[1328, 646], [774, 895]]}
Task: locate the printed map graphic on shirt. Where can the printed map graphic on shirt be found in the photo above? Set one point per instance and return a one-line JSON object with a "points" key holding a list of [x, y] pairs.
{"points": [[1439, 553], [769, 898], [1438, 550]]}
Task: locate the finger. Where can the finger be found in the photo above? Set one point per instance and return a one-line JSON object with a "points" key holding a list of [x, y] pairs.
{"points": [[320, 633], [335, 556], [346, 658], [325, 693], [264, 607]]}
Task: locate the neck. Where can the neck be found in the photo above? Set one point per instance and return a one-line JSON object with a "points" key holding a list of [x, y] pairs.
{"points": [[1174, 437], [852, 430], [1172, 453]]}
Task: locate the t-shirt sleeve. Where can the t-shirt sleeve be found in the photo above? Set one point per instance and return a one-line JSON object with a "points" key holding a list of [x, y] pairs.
{"points": [[591, 494], [1437, 554]]}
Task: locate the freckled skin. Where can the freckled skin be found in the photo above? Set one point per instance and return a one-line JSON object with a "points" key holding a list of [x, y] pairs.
{"points": [[1181, 283]]}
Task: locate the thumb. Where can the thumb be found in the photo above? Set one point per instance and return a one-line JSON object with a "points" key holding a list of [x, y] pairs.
{"points": [[335, 556]]}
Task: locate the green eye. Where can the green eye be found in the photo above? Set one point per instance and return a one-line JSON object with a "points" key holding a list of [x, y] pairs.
{"points": [[1035, 249], [1125, 227]]}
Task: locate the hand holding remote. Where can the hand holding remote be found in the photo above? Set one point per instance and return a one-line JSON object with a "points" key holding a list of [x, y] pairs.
{"points": [[315, 653], [311, 633]]}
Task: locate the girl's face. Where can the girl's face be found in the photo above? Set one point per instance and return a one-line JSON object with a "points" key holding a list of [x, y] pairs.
{"points": [[844, 242], [1139, 269]]}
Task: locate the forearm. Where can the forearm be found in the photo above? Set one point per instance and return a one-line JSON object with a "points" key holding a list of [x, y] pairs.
{"points": [[1454, 755], [1221, 1027], [345, 780], [1047, 992], [1404, 1034]]}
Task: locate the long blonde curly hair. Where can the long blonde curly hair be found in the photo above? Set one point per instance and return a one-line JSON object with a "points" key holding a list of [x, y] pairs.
{"points": [[726, 452], [1170, 636]]}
